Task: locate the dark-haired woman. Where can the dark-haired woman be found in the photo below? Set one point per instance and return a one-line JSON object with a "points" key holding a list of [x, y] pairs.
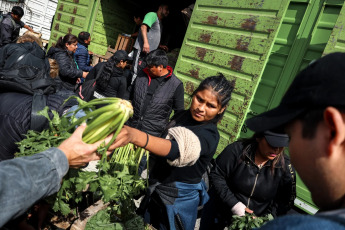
{"points": [[250, 176], [63, 52], [112, 81], [181, 159]]}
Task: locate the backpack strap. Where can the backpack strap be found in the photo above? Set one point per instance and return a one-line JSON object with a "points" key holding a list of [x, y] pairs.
{"points": [[39, 101]]}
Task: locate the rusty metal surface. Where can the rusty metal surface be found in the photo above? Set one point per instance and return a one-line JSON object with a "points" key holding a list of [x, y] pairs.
{"points": [[72, 16], [234, 38]]}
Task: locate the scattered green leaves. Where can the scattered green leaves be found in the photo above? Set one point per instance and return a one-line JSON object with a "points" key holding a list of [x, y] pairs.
{"points": [[248, 221]]}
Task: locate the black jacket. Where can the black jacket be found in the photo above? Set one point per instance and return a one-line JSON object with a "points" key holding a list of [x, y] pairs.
{"points": [[68, 70], [82, 57], [9, 30], [24, 54], [15, 117], [155, 116], [117, 84], [236, 178]]}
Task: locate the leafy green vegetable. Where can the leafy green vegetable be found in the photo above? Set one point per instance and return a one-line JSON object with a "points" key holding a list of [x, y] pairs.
{"points": [[116, 181], [248, 221]]}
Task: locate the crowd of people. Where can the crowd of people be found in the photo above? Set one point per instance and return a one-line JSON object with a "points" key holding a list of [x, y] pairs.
{"points": [[252, 175]]}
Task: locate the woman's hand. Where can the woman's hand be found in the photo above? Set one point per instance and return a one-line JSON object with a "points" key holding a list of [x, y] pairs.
{"points": [[85, 74], [123, 138]]}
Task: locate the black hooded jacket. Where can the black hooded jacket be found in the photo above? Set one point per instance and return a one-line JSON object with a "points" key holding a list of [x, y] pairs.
{"points": [[15, 117], [68, 70], [23, 54], [236, 178], [116, 86]]}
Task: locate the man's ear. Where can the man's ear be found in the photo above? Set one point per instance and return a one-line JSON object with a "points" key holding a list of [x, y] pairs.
{"points": [[335, 124]]}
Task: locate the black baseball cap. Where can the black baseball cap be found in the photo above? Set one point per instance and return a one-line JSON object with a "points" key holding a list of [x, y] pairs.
{"points": [[319, 85], [276, 139], [121, 55]]}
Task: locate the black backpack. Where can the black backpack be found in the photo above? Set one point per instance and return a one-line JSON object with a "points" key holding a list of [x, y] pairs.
{"points": [[29, 80], [86, 90]]}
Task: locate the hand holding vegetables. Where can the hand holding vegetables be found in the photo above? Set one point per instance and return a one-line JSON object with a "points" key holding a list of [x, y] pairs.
{"points": [[79, 153], [155, 145]]}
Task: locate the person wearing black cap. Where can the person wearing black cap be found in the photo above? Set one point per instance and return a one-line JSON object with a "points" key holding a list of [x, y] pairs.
{"points": [[112, 81], [313, 114], [250, 176]]}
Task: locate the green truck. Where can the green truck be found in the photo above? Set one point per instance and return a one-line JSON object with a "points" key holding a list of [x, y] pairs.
{"points": [[260, 45]]}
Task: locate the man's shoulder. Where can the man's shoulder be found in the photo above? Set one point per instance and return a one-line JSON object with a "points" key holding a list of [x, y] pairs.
{"points": [[7, 20], [303, 222], [151, 14], [173, 76]]}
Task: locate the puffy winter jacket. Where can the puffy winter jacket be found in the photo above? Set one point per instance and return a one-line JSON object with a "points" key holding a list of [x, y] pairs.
{"points": [[236, 178], [15, 117], [68, 70], [82, 58], [155, 117], [117, 84], [23, 54]]}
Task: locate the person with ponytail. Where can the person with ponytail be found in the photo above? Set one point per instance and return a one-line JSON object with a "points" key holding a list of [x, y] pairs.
{"points": [[63, 53], [181, 157], [251, 176]]}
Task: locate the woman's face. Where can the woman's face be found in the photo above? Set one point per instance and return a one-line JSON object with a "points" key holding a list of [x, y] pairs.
{"points": [[205, 106], [72, 47], [267, 151]]}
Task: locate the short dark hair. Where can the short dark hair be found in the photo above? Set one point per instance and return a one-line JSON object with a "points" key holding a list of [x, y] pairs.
{"points": [[17, 10], [82, 36], [222, 89], [311, 118], [139, 14], [156, 58]]}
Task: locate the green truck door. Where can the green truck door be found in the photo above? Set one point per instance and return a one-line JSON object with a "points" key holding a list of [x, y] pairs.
{"points": [[302, 38], [234, 38], [104, 19]]}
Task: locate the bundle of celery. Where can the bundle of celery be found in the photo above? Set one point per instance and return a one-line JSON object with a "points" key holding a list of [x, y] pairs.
{"points": [[116, 180]]}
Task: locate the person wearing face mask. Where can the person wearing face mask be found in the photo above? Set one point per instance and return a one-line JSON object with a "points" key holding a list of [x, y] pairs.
{"points": [[63, 53], [250, 176]]}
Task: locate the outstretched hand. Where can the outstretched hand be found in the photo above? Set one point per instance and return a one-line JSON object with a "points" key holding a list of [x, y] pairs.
{"points": [[79, 153], [123, 138]]}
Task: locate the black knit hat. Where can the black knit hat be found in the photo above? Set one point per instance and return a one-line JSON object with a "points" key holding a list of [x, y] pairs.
{"points": [[319, 85], [121, 55]]}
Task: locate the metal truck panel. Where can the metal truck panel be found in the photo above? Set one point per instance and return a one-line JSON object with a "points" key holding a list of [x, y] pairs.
{"points": [[234, 38], [336, 42], [302, 38], [105, 20]]}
